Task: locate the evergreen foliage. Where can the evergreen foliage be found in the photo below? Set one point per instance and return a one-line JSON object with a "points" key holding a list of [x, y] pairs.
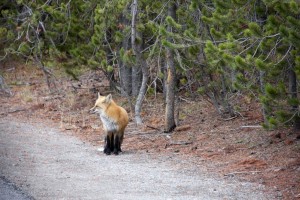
{"points": [[220, 47]]}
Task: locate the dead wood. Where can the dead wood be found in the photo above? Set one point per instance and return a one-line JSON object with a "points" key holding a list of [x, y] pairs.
{"points": [[180, 143], [14, 111], [243, 172]]}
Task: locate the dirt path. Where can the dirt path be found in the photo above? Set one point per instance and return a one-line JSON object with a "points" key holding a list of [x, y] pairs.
{"points": [[9, 191], [48, 164]]}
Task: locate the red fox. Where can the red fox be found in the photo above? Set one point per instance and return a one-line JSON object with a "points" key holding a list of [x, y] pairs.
{"points": [[114, 119]]}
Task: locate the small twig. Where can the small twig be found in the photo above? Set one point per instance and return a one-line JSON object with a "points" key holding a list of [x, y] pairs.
{"points": [[253, 126], [143, 133], [153, 128], [244, 172], [48, 98], [231, 118], [13, 111], [76, 87], [17, 110], [181, 98], [180, 143]]}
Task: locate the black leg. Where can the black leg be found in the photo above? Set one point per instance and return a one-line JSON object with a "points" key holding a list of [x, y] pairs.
{"points": [[111, 146], [120, 143], [116, 144], [107, 146]]}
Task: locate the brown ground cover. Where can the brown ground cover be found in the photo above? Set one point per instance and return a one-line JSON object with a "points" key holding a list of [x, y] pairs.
{"points": [[232, 147]]}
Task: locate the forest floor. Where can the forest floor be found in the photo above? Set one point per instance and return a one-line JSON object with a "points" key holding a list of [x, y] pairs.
{"points": [[234, 148]]}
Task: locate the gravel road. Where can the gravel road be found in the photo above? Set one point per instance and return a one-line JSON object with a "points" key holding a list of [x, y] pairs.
{"points": [[47, 164]]}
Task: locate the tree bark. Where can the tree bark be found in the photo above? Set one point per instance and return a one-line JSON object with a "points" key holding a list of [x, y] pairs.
{"points": [[140, 64], [125, 71], [142, 92], [136, 69], [109, 57], [4, 88], [262, 89], [171, 79], [293, 94], [47, 74], [136, 80]]}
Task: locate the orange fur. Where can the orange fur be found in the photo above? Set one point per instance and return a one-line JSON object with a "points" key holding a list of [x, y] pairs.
{"points": [[114, 119]]}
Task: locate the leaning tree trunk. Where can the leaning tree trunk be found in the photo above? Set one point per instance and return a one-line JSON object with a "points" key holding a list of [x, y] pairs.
{"points": [[171, 79], [137, 47]]}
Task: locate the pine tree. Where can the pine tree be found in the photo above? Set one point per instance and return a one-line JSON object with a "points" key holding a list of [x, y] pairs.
{"points": [[261, 39], [45, 32]]}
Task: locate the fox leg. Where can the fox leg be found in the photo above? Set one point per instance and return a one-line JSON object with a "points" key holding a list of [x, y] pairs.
{"points": [[120, 142], [108, 144], [116, 144], [111, 147]]}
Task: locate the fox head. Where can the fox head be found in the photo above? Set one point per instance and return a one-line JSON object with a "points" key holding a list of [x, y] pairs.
{"points": [[101, 103]]}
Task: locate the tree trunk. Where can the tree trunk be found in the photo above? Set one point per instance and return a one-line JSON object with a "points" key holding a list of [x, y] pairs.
{"points": [[262, 89], [164, 71], [136, 69], [142, 92], [141, 65], [125, 71], [226, 104], [136, 79], [4, 88], [261, 20], [47, 74], [171, 79], [109, 57], [293, 94]]}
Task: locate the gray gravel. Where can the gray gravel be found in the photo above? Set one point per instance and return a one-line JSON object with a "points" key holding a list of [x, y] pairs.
{"points": [[9, 191], [48, 164]]}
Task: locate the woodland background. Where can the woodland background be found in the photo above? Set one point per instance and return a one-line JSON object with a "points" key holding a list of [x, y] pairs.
{"points": [[217, 49]]}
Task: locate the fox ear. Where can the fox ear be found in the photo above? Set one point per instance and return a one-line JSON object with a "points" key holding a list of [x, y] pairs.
{"points": [[99, 95], [108, 98]]}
